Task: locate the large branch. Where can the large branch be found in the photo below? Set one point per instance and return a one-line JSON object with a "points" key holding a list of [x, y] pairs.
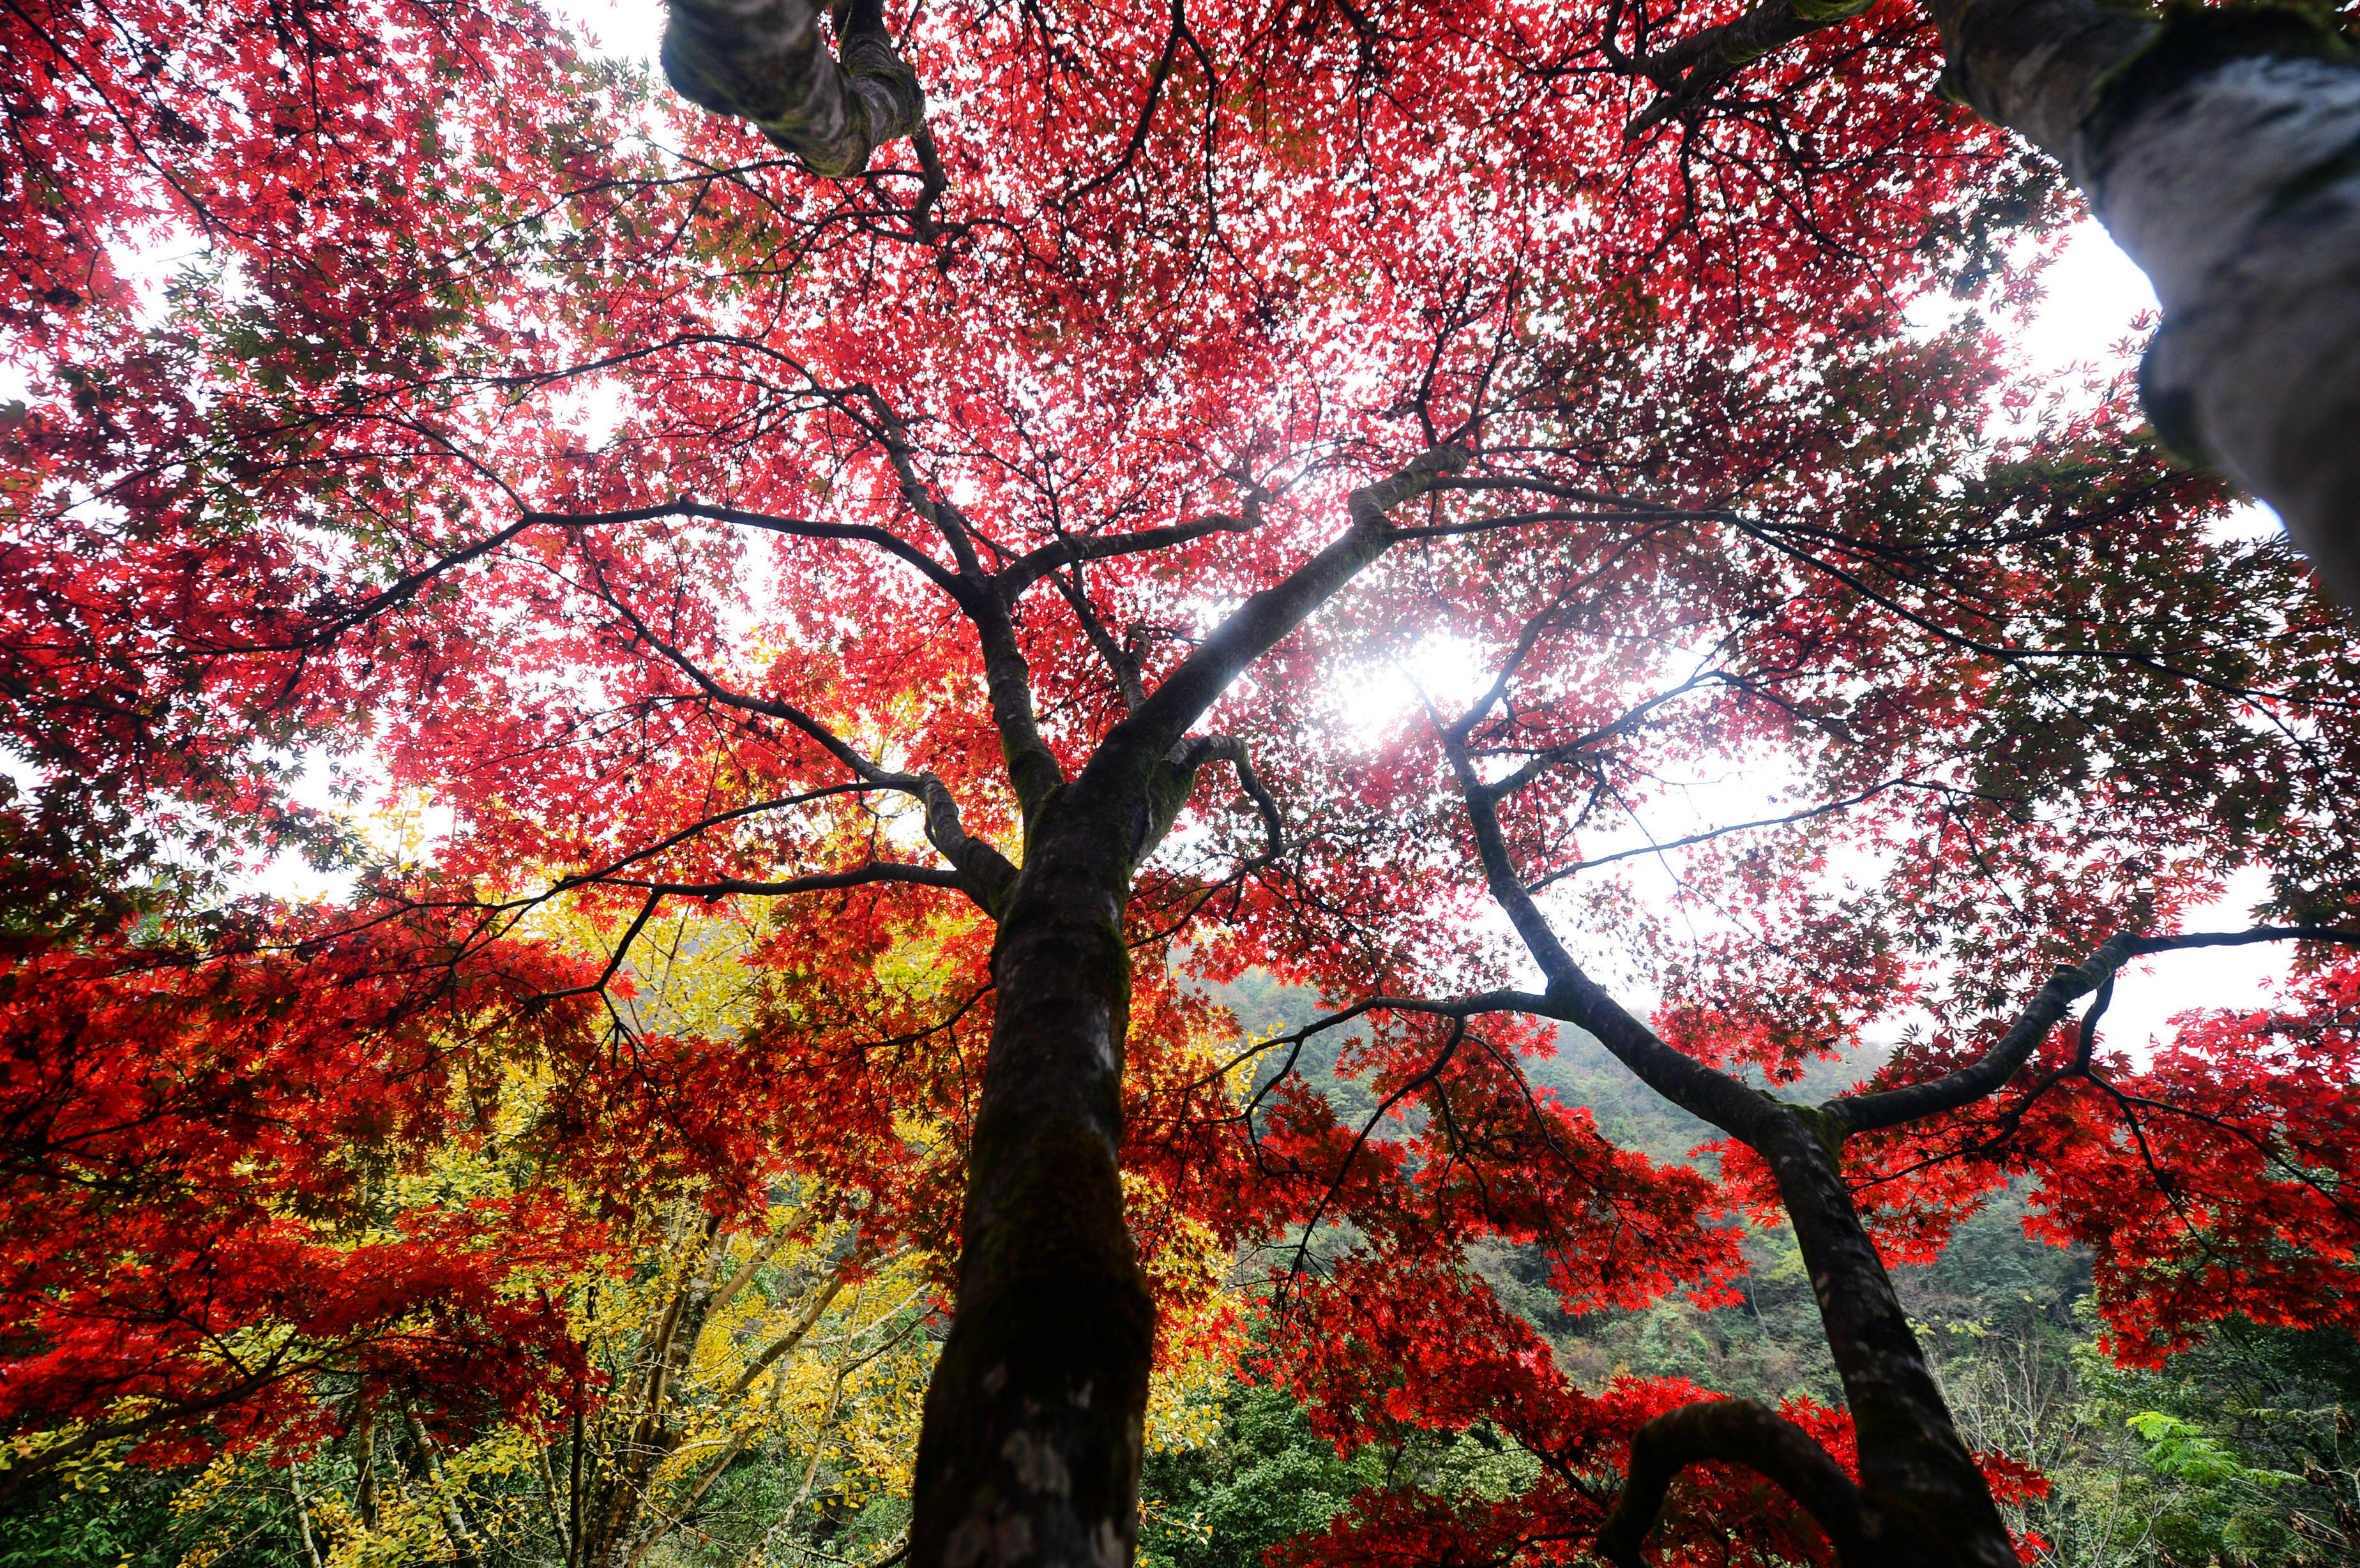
{"points": [[334, 619], [817, 882], [1266, 620], [1991, 1072], [1574, 997], [1735, 1432], [885, 540], [1035, 564], [694, 829], [1689, 70], [764, 61]]}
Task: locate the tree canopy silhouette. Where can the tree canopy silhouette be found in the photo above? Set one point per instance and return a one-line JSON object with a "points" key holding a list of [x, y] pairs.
{"points": [[1287, 487]]}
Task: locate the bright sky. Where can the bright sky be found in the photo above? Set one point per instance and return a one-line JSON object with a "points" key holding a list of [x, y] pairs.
{"points": [[2094, 292], [631, 28]]}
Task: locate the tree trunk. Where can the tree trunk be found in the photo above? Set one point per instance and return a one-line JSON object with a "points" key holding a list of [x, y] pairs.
{"points": [[1925, 1500], [1920, 1502], [1031, 1438], [766, 61], [1030, 1449], [2221, 148]]}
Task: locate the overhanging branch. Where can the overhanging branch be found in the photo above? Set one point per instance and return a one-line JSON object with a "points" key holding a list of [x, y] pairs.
{"points": [[1991, 1072], [764, 61]]}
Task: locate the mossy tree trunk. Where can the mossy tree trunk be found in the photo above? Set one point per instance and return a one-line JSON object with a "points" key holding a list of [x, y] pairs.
{"points": [[1034, 1417], [1031, 1445]]}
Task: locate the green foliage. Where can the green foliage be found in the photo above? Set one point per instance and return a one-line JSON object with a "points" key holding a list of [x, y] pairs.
{"points": [[108, 1515], [2238, 1453], [1266, 1476]]}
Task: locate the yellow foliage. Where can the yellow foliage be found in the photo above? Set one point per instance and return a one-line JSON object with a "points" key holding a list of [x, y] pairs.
{"points": [[780, 1341]]}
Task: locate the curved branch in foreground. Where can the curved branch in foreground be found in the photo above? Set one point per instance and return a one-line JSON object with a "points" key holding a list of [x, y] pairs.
{"points": [[765, 62], [1736, 1431]]}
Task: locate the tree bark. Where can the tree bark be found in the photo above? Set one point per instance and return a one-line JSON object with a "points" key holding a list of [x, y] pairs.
{"points": [[1030, 1449], [1738, 1432], [2221, 148], [1031, 1438], [765, 62], [1926, 1500]]}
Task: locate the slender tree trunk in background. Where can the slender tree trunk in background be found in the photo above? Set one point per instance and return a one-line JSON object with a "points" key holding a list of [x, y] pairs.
{"points": [[465, 1549], [303, 1515], [364, 1463], [1920, 1502], [1925, 1499], [620, 1500], [2221, 148]]}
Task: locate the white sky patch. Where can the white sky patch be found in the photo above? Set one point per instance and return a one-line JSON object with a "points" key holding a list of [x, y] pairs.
{"points": [[625, 30], [2094, 291], [1372, 699], [2149, 994], [324, 785]]}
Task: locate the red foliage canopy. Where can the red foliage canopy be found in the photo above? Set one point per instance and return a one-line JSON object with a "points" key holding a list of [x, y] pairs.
{"points": [[405, 391]]}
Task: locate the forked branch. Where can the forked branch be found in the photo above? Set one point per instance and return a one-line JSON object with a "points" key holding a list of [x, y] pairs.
{"points": [[986, 872], [1194, 753]]}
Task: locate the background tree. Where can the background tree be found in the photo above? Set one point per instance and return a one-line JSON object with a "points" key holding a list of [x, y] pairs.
{"points": [[695, 530]]}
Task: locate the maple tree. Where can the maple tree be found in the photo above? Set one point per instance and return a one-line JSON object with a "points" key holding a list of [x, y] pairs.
{"points": [[988, 558], [2211, 140]]}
